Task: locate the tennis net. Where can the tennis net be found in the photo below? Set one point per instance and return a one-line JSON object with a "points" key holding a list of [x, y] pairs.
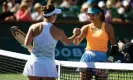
{"points": [[12, 64]]}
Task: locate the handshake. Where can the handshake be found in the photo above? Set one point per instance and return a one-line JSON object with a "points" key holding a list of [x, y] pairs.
{"points": [[76, 31]]}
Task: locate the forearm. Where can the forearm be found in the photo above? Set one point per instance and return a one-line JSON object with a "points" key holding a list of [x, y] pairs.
{"points": [[28, 40], [76, 41], [114, 48], [71, 39], [113, 42], [29, 47]]}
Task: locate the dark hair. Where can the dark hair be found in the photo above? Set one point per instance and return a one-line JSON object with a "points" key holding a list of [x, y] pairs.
{"points": [[48, 8], [102, 17]]}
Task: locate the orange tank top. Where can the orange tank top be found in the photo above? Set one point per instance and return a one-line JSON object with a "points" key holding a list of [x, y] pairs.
{"points": [[97, 40]]}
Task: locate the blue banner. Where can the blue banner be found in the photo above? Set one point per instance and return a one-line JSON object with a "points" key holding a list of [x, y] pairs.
{"points": [[69, 53]]}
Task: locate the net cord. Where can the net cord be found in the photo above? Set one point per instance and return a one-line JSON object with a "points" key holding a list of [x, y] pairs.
{"points": [[98, 65]]}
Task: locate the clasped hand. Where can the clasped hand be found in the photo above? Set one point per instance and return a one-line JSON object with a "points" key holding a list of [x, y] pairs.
{"points": [[77, 31]]}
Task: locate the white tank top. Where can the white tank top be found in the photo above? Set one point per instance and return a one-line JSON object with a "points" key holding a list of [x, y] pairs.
{"points": [[44, 43]]}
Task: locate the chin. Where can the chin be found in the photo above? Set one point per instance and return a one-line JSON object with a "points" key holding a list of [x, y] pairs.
{"points": [[53, 21]]}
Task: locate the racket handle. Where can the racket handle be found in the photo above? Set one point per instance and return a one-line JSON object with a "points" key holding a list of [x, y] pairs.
{"points": [[24, 46]]}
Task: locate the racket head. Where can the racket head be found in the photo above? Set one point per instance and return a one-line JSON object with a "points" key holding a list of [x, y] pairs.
{"points": [[18, 34]]}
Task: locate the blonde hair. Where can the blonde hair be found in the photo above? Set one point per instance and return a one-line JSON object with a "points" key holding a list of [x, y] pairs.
{"points": [[37, 5], [24, 4]]}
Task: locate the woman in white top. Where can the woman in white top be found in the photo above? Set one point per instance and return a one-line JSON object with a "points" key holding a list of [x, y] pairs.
{"points": [[41, 65]]}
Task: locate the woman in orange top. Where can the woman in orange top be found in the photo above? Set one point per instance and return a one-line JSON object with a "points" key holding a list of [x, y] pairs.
{"points": [[97, 34]]}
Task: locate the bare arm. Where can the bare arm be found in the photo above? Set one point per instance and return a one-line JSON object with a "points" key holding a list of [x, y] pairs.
{"points": [[28, 39], [78, 39], [33, 31], [65, 40], [111, 35]]}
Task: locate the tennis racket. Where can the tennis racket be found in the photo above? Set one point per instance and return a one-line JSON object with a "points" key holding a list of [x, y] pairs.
{"points": [[18, 34]]}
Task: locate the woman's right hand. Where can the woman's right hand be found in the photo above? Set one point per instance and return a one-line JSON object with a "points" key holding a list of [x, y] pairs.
{"points": [[77, 31]]}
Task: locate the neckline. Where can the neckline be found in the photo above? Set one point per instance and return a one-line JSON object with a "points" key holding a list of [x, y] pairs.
{"points": [[95, 28]]}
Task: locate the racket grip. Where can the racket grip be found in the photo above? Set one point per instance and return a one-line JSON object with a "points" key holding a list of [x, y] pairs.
{"points": [[24, 46]]}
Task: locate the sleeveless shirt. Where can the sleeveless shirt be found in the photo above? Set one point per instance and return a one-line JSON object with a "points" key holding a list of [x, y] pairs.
{"points": [[97, 40], [44, 43]]}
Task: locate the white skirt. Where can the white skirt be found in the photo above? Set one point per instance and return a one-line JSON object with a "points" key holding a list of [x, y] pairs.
{"points": [[40, 67]]}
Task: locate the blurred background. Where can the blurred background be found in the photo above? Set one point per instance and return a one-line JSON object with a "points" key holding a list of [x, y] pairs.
{"points": [[23, 13]]}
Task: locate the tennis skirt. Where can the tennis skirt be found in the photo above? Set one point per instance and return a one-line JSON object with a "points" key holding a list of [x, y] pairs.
{"points": [[40, 67], [94, 56]]}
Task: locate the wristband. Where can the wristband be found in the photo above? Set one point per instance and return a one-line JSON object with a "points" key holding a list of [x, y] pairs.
{"points": [[111, 58]]}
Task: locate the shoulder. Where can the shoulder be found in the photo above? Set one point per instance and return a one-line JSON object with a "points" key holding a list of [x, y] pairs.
{"points": [[36, 26], [108, 27], [58, 30], [86, 26]]}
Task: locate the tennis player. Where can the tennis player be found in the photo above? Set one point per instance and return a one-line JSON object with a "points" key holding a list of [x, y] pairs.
{"points": [[41, 65], [97, 34]]}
